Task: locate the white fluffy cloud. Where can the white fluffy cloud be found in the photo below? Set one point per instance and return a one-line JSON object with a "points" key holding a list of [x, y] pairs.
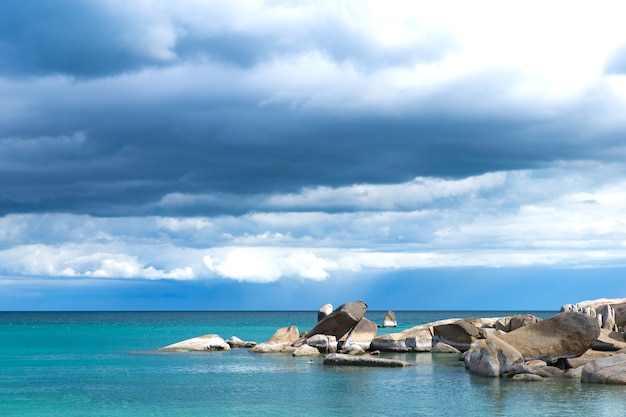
{"points": [[568, 215]]}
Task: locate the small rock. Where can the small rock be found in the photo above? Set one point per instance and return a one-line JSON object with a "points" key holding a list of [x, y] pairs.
{"points": [[234, 342], [306, 350], [340, 359], [200, 343], [390, 319], [441, 347], [527, 377], [610, 370]]}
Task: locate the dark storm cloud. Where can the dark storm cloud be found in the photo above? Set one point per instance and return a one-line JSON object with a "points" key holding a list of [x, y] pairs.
{"points": [[86, 39]]}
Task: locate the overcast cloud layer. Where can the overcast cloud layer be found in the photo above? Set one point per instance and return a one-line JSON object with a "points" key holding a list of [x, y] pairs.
{"points": [[256, 141]]}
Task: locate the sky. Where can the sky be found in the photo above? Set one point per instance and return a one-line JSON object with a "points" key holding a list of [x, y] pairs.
{"points": [[281, 155]]}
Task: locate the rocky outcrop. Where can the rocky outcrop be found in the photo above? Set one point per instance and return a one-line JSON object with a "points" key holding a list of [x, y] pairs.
{"points": [[460, 334], [285, 335], [306, 350], [609, 370], [390, 320], [492, 357], [596, 308], [609, 341], [564, 335], [323, 343], [415, 339], [339, 359], [234, 342], [201, 343], [280, 342], [339, 322], [324, 311], [510, 323], [362, 334]]}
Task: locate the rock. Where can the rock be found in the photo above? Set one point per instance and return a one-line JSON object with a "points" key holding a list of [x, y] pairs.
{"points": [[323, 343], [507, 324], [574, 373], [234, 342], [527, 377], [390, 319], [608, 317], [416, 339], [205, 342], [564, 335], [353, 350], [362, 334], [306, 350], [285, 335], [609, 341], [363, 360], [441, 347], [460, 334], [610, 370], [324, 311], [340, 321], [585, 358], [267, 347], [618, 305], [492, 357]]}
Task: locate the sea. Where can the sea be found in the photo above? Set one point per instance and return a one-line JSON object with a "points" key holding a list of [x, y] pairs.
{"points": [[108, 364]]}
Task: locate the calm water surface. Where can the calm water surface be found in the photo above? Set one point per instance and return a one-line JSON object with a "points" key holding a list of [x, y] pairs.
{"points": [[106, 364]]}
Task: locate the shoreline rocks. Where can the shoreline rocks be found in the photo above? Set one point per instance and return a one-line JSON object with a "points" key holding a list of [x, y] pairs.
{"points": [[209, 342]]}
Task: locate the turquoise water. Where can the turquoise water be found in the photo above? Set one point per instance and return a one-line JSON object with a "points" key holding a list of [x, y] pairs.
{"points": [[105, 364]]}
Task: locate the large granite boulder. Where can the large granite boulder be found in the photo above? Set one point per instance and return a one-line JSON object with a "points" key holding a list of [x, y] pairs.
{"points": [[617, 304], [340, 321], [492, 357], [609, 370], [280, 342], [340, 359], [234, 342], [390, 320], [285, 335], [415, 339], [362, 334], [609, 341], [200, 343], [564, 335], [510, 323], [323, 343], [460, 334], [324, 311]]}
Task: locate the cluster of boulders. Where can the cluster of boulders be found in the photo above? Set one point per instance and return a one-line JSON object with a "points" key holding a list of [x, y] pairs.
{"points": [[584, 340]]}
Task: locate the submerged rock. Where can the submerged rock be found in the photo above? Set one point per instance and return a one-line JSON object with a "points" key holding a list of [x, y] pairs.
{"points": [[340, 359], [209, 342]]}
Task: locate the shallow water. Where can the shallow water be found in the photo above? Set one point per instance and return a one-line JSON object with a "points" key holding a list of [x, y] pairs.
{"points": [[105, 364]]}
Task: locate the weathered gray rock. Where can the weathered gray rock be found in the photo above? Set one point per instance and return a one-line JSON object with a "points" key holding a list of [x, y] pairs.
{"points": [[564, 335], [527, 377], [362, 334], [324, 311], [234, 342], [206, 342], [460, 334], [267, 347], [306, 350], [323, 343], [340, 359], [617, 304], [510, 323], [285, 335], [585, 358], [340, 321], [607, 312], [492, 357], [416, 339], [609, 341], [609, 370], [441, 347], [390, 320]]}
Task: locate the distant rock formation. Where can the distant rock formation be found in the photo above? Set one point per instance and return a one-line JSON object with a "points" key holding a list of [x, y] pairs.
{"points": [[390, 320], [205, 342]]}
